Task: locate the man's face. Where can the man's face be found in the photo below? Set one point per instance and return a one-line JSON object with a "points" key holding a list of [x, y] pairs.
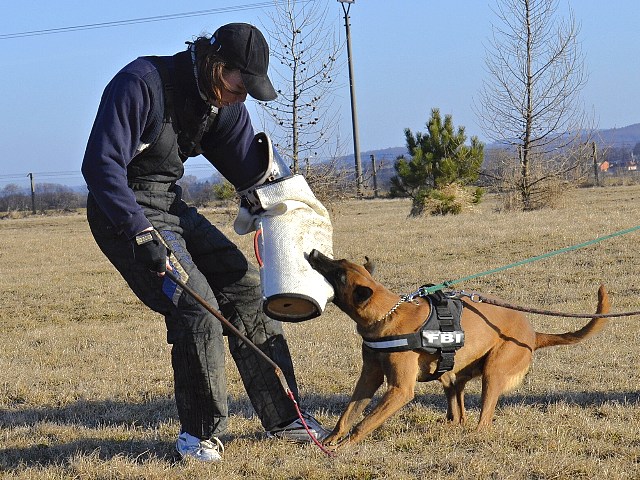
{"points": [[234, 92]]}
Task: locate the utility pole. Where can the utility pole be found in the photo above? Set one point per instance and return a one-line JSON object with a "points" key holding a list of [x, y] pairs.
{"points": [[346, 6]]}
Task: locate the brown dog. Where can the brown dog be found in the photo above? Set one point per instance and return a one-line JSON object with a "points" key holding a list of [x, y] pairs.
{"points": [[498, 345]]}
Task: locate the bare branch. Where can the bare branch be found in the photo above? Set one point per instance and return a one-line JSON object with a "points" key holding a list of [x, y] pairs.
{"points": [[302, 121], [531, 101]]}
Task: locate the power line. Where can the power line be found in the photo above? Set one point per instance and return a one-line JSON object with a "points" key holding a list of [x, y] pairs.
{"points": [[133, 21], [17, 175], [24, 177], [72, 173]]}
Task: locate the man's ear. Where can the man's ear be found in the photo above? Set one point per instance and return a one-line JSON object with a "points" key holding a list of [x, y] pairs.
{"points": [[361, 294], [369, 265]]}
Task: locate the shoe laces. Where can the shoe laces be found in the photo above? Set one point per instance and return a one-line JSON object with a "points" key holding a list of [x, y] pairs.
{"points": [[213, 443]]}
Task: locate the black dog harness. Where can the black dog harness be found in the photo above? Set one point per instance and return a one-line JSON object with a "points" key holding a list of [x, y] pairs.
{"points": [[441, 333]]}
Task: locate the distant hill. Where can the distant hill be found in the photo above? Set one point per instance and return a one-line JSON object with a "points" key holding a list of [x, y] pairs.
{"points": [[384, 158], [619, 137], [382, 155], [612, 137], [623, 137]]}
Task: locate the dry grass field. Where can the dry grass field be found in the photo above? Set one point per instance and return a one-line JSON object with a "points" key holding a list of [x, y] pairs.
{"points": [[86, 383]]}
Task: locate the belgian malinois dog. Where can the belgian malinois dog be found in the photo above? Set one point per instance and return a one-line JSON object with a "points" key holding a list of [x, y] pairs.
{"points": [[498, 346]]}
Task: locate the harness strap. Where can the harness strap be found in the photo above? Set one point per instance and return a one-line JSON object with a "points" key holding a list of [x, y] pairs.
{"points": [[440, 333], [396, 343], [445, 317], [447, 360], [400, 343], [447, 353]]}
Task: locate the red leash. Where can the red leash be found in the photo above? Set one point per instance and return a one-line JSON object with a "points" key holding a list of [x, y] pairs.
{"points": [[238, 333], [306, 427]]}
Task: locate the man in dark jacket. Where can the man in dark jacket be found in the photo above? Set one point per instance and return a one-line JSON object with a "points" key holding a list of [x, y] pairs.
{"points": [[154, 114]]}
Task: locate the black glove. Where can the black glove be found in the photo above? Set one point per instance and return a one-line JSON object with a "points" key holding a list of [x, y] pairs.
{"points": [[149, 250]]}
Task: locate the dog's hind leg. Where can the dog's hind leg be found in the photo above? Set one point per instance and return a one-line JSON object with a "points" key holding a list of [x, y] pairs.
{"points": [[503, 371], [453, 386]]}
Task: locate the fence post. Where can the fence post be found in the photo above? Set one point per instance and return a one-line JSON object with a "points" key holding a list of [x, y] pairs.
{"points": [[595, 163], [375, 176], [33, 194]]}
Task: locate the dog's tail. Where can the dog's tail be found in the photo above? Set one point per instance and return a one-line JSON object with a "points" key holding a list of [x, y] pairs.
{"points": [[592, 328]]}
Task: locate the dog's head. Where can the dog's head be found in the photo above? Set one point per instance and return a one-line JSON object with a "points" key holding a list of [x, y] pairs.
{"points": [[355, 291]]}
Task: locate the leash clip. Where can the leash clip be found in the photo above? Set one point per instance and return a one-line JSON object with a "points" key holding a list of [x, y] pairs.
{"points": [[411, 296], [473, 296]]}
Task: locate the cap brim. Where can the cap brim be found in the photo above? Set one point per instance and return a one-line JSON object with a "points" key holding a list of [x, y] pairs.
{"points": [[259, 87]]}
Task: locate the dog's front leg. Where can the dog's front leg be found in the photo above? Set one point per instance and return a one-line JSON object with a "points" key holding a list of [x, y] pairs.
{"points": [[371, 377], [401, 372]]}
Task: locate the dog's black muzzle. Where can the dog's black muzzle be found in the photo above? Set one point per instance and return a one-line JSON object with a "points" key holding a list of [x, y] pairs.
{"points": [[322, 264]]}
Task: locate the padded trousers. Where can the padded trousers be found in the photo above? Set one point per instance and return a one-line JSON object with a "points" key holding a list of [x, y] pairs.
{"points": [[220, 273]]}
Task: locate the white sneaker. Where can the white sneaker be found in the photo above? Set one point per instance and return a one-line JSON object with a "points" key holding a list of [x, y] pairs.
{"points": [[203, 450], [296, 432]]}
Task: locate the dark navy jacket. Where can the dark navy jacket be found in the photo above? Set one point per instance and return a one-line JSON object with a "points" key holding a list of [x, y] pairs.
{"points": [[130, 118]]}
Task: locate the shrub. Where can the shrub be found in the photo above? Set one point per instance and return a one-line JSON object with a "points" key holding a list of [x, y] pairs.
{"points": [[449, 199], [224, 191], [548, 194]]}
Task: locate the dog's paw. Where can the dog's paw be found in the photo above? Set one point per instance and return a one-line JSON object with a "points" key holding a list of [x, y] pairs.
{"points": [[333, 447], [330, 441], [336, 442]]}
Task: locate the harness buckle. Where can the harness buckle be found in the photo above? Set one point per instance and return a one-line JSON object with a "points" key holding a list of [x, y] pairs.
{"points": [[447, 360]]}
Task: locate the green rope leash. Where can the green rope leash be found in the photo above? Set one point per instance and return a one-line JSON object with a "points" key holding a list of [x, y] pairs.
{"points": [[445, 284]]}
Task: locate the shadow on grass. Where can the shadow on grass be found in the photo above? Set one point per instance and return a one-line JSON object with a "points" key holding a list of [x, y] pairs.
{"points": [[152, 414], [334, 405], [584, 399], [44, 455], [48, 449]]}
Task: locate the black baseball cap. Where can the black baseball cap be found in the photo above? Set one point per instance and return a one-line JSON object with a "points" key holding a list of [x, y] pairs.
{"points": [[244, 47]]}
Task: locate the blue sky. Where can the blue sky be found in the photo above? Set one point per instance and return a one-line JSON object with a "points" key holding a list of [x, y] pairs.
{"points": [[409, 56]]}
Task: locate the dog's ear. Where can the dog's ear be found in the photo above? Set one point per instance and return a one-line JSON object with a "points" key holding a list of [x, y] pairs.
{"points": [[361, 294], [369, 265]]}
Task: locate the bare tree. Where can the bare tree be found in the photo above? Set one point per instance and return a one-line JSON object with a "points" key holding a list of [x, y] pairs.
{"points": [[304, 124], [531, 101]]}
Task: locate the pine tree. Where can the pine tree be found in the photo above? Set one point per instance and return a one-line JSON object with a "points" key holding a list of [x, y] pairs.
{"points": [[439, 157]]}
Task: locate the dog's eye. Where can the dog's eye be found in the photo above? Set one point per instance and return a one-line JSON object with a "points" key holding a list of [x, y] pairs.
{"points": [[342, 278], [361, 294]]}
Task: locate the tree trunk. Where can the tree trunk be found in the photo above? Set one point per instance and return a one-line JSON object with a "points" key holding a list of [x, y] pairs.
{"points": [[526, 144]]}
